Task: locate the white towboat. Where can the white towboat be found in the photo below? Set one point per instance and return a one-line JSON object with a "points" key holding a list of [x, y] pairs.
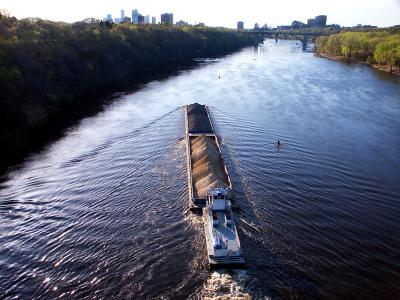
{"points": [[223, 245]]}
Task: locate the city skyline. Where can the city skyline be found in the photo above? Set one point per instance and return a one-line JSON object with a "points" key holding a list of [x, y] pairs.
{"points": [[224, 13]]}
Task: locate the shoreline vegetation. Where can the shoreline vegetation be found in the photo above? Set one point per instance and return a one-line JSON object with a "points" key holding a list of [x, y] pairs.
{"points": [[378, 49], [383, 68], [48, 70]]}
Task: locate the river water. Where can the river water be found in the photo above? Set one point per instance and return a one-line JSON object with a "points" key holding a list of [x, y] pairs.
{"points": [[102, 212]]}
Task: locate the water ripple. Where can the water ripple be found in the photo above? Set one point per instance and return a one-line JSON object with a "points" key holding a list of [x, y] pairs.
{"points": [[103, 212]]}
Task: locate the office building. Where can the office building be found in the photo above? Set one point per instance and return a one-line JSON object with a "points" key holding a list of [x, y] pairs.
{"points": [[167, 18], [135, 16], [153, 20], [147, 19], [240, 25], [318, 21], [122, 14], [140, 19]]}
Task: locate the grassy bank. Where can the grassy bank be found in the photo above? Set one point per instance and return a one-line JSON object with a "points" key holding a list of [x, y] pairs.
{"points": [[46, 66], [380, 49]]}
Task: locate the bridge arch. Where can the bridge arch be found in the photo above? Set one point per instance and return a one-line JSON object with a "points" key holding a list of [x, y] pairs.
{"points": [[302, 36]]}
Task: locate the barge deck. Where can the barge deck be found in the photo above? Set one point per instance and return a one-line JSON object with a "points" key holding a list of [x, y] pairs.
{"points": [[198, 128]]}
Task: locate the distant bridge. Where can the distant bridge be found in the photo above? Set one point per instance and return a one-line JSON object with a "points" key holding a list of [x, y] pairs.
{"points": [[301, 35]]}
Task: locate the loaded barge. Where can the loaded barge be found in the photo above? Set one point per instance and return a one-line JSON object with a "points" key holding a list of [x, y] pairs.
{"points": [[210, 188]]}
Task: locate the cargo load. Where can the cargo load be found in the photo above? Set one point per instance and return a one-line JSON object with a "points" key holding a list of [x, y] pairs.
{"points": [[206, 167]]}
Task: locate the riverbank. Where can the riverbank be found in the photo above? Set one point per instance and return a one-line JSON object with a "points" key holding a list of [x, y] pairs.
{"points": [[50, 70], [379, 49], [353, 60]]}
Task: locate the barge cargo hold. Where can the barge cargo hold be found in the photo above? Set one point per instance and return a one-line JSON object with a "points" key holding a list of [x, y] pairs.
{"points": [[210, 188], [205, 164]]}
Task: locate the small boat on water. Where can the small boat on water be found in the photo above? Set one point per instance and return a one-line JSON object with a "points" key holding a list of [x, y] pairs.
{"points": [[223, 245]]}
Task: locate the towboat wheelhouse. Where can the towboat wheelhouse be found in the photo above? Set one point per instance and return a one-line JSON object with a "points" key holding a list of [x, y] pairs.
{"points": [[222, 239]]}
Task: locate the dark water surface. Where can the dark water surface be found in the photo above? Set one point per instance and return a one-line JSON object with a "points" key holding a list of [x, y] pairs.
{"points": [[102, 212]]}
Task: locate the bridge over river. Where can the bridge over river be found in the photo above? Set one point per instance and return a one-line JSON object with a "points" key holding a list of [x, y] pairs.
{"points": [[302, 35]]}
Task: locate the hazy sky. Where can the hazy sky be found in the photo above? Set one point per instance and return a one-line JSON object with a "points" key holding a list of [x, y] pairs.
{"points": [[216, 12]]}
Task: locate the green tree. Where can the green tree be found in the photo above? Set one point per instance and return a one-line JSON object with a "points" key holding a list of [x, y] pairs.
{"points": [[45, 65], [386, 53], [376, 46]]}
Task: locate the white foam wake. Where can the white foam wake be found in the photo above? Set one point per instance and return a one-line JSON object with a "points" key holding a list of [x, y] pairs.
{"points": [[227, 285]]}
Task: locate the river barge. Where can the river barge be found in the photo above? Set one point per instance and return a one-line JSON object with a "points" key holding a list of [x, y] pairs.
{"points": [[210, 188]]}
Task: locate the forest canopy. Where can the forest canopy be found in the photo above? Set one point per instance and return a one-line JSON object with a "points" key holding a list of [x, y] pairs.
{"points": [[45, 65], [381, 47]]}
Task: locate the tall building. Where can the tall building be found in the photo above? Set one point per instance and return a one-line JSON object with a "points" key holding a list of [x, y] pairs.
{"points": [[122, 14], [153, 20], [135, 16], [147, 19], [319, 21], [167, 18], [240, 25], [140, 19]]}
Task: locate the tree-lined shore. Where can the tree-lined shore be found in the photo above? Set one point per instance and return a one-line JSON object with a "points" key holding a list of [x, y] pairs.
{"points": [[46, 66], [380, 48]]}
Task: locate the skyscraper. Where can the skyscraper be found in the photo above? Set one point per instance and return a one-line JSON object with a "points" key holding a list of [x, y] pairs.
{"points": [[147, 19], [240, 25], [153, 20], [122, 14], [140, 19], [135, 16], [319, 21], [167, 19]]}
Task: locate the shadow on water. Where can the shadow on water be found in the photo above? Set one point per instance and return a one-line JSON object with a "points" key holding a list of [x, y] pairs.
{"points": [[21, 144]]}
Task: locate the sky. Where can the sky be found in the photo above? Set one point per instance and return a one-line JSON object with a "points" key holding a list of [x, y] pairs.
{"points": [[216, 12]]}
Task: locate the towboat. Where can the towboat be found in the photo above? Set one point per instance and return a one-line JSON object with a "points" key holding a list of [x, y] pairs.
{"points": [[223, 245]]}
